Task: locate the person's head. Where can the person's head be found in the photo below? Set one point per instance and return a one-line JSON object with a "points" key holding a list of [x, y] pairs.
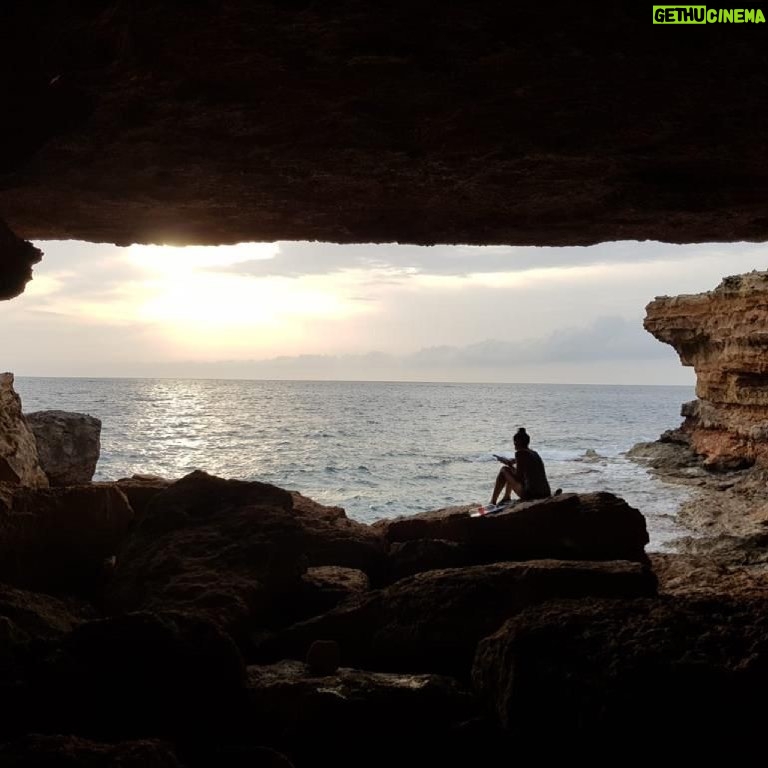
{"points": [[521, 438]]}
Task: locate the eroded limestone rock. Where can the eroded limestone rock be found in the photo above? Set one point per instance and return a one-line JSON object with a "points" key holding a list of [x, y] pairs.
{"points": [[722, 335], [19, 463], [68, 445]]}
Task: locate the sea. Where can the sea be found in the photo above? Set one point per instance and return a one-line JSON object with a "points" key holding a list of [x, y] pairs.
{"points": [[378, 449]]}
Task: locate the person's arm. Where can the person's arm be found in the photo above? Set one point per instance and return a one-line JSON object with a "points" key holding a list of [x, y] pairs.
{"points": [[523, 464]]}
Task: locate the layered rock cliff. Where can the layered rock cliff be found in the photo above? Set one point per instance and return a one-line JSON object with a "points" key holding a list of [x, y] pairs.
{"points": [[723, 335]]}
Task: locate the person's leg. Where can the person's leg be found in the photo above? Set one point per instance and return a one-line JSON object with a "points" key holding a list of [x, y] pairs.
{"points": [[512, 485], [501, 482], [506, 479]]}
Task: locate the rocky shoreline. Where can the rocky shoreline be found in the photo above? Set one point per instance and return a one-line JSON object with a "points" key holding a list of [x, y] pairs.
{"points": [[727, 515], [212, 622]]}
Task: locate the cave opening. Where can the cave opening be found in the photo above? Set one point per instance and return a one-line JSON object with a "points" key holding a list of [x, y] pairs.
{"points": [[274, 360], [392, 312]]}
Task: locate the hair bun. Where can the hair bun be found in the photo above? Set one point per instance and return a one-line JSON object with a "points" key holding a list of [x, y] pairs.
{"points": [[521, 431]]}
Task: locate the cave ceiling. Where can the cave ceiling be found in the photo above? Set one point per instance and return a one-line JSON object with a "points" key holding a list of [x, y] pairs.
{"points": [[421, 122]]}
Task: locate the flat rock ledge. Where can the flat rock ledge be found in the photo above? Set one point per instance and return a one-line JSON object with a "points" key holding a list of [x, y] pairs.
{"points": [[590, 526], [726, 552]]}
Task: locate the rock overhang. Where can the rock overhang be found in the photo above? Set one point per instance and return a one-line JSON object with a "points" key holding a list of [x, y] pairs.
{"points": [[471, 123]]}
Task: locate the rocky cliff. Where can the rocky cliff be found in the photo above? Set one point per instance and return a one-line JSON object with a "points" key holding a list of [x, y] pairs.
{"points": [[19, 464], [723, 335]]}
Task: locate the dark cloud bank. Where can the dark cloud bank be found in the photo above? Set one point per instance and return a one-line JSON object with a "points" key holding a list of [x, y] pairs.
{"points": [[607, 339]]}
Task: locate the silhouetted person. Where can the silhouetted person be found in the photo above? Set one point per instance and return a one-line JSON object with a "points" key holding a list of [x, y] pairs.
{"points": [[524, 475]]}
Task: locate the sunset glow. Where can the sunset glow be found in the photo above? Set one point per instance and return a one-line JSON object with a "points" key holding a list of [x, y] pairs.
{"points": [[199, 300], [318, 310]]}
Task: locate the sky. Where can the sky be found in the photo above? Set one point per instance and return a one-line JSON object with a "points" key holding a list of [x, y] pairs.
{"points": [[299, 310]]}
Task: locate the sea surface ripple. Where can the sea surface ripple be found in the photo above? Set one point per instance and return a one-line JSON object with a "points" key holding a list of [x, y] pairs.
{"points": [[378, 449]]}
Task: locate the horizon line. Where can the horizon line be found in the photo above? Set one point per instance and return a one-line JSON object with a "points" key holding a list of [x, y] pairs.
{"points": [[345, 381]]}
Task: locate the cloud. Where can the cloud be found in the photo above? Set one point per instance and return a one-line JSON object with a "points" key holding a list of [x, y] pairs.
{"points": [[607, 338], [298, 259], [95, 272], [88, 311]]}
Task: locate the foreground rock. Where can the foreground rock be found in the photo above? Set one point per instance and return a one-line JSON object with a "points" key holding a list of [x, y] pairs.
{"points": [[721, 566], [328, 585], [235, 553], [407, 558], [730, 504], [58, 539], [590, 526], [19, 463], [28, 619], [68, 445], [141, 489], [334, 539], [726, 513], [671, 456], [225, 550], [40, 751], [432, 622], [323, 720], [599, 672], [170, 676], [721, 334], [57, 751]]}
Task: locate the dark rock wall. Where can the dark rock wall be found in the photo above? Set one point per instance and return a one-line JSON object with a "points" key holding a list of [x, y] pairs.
{"points": [[16, 259], [348, 121]]}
